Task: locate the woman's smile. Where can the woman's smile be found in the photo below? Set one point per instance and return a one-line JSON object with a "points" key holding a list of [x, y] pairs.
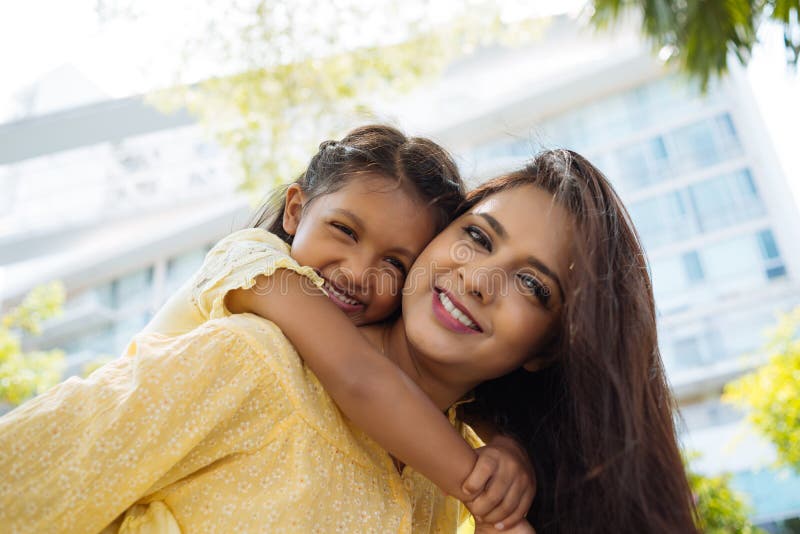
{"points": [[453, 314]]}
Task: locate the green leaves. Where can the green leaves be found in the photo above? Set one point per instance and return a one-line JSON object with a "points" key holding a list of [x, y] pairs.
{"points": [[702, 33], [770, 394], [23, 374], [720, 510]]}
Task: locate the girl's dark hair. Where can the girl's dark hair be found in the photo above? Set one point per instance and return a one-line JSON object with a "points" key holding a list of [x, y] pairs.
{"points": [[415, 162], [597, 422]]}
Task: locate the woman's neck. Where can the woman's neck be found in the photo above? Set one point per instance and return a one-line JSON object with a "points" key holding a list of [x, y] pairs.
{"points": [[391, 340]]}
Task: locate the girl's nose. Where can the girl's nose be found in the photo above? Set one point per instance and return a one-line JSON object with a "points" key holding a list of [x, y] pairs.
{"points": [[358, 270]]}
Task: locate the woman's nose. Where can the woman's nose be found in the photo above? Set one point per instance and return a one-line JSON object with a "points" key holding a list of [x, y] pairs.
{"points": [[478, 283]]}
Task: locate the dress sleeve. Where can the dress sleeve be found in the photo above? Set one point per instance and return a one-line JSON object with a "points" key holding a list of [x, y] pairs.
{"points": [[76, 457], [235, 262]]}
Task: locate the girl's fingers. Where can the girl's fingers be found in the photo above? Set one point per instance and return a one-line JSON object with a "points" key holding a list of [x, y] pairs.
{"points": [[503, 511], [519, 513], [484, 468], [492, 496]]}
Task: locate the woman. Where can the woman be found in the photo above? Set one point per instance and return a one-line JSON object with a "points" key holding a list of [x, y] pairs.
{"points": [[597, 418]]}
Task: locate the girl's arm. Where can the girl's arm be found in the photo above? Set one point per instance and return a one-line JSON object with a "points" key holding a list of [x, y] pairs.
{"points": [[370, 389]]}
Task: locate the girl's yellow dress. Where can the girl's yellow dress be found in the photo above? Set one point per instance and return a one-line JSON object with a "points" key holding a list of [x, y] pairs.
{"points": [[213, 427]]}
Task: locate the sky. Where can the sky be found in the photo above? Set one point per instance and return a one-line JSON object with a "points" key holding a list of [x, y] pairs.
{"points": [[123, 58]]}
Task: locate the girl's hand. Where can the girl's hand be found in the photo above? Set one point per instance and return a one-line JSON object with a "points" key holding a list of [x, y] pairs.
{"points": [[503, 484]]}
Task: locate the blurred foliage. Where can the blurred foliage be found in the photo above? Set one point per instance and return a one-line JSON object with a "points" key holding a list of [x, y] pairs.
{"points": [[700, 34], [289, 74], [771, 394], [298, 72], [23, 374], [719, 509]]}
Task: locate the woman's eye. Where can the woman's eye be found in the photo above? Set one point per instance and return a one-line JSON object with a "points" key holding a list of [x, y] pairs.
{"points": [[397, 264], [345, 230], [533, 286], [478, 236]]}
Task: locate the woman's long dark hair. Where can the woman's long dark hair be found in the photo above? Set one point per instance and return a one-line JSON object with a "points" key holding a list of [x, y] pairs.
{"points": [[417, 163], [598, 422]]}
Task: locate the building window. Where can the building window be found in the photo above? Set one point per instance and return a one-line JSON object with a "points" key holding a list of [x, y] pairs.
{"points": [[688, 353], [132, 290], [663, 219], [725, 200], [693, 268], [703, 144], [769, 250], [180, 268], [642, 164]]}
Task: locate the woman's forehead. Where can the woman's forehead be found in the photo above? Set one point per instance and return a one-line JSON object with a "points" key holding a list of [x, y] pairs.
{"points": [[521, 205]]}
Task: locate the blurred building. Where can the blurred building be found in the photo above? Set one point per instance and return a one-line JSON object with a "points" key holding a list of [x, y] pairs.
{"points": [[117, 200], [121, 202]]}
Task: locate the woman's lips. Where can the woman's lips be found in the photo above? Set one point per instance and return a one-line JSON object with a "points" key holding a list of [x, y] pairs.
{"points": [[344, 301], [452, 315]]}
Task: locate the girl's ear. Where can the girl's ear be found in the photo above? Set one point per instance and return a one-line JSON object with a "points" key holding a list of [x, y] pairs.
{"points": [[293, 210]]}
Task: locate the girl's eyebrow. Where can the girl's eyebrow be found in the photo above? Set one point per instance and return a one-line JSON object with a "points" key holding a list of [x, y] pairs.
{"points": [[352, 216], [358, 221]]}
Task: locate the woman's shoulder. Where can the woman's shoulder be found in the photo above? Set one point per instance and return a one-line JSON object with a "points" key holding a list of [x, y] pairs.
{"points": [[272, 348], [261, 336], [297, 382]]}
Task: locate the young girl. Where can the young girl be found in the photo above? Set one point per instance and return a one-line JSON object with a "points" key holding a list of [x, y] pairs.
{"points": [[191, 443]]}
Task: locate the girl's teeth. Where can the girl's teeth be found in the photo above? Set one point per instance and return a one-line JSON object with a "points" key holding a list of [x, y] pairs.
{"points": [[341, 296], [457, 314]]}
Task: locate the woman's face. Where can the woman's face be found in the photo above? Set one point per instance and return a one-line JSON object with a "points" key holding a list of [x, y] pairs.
{"points": [[486, 294]]}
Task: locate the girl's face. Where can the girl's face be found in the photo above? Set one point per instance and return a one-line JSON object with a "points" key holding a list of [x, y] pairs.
{"points": [[362, 239], [486, 294]]}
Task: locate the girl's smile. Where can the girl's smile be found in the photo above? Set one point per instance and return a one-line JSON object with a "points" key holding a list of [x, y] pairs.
{"points": [[342, 298]]}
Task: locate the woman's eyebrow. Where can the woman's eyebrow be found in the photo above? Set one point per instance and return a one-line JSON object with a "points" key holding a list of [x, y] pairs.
{"points": [[541, 267], [495, 224]]}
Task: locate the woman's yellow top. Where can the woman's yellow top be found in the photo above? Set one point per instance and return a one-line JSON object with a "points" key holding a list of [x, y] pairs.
{"points": [[220, 429]]}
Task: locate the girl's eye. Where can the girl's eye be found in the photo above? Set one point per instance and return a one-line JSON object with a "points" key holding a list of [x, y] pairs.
{"points": [[394, 262], [478, 236], [534, 287], [345, 230]]}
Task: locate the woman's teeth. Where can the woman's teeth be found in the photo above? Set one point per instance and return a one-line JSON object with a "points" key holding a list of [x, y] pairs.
{"points": [[340, 296], [457, 314]]}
